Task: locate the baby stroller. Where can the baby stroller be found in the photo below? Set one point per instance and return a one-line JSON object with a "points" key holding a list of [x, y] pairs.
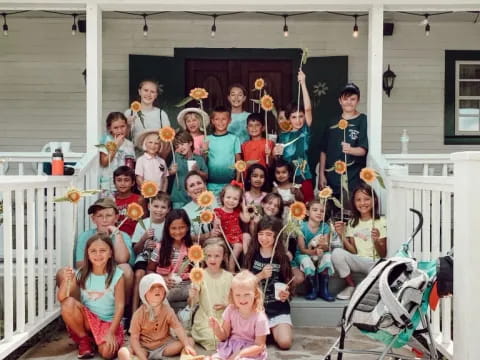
{"points": [[391, 305]]}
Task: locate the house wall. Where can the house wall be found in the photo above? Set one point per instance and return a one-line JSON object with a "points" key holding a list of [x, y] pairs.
{"points": [[42, 91]]}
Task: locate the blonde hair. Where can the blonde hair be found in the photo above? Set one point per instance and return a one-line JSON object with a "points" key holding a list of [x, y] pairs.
{"points": [[246, 277], [149, 136], [217, 241]]}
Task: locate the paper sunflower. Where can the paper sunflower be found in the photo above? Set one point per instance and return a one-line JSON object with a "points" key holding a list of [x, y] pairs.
{"points": [[134, 211], [340, 167], [206, 216], [342, 124], [266, 103], [196, 275], [149, 189], [195, 253], [205, 199], [259, 84], [240, 166], [368, 175], [167, 134], [298, 210], [325, 193], [198, 93], [135, 106]]}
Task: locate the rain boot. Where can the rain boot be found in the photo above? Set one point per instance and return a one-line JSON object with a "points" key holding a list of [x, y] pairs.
{"points": [[323, 287], [312, 295]]}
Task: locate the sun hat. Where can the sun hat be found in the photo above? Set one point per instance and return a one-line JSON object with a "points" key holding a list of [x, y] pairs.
{"points": [[203, 114], [146, 284], [140, 138]]}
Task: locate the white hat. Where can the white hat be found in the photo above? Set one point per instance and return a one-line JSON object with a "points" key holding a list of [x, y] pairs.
{"points": [[140, 138], [203, 114], [146, 284]]}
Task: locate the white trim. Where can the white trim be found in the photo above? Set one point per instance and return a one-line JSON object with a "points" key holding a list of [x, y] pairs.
{"points": [[458, 98]]}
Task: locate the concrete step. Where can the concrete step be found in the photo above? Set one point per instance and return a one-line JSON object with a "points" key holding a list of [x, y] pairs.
{"points": [[317, 313]]}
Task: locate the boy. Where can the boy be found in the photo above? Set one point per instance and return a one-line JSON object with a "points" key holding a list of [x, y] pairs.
{"points": [[144, 241], [223, 151], [257, 148], [183, 144], [354, 148], [150, 327]]}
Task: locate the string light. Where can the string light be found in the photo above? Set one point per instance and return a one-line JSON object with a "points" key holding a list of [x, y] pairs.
{"points": [[285, 26], [145, 26], [5, 26], [214, 26], [355, 27], [427, 25], [74, 25]]}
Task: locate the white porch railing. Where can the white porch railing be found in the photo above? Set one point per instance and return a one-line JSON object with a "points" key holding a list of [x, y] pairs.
{"points": [[36, 241], [433, 196], [421, 164], [27, 163]]}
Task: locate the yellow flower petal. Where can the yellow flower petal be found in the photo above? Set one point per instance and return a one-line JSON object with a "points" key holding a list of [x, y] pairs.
{"points": [[368, 175], [298, 210], [149, 189], [195, 253]]}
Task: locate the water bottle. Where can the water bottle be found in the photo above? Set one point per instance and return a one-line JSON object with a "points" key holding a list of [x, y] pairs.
{"points": [[57, 162], [404, 141]]}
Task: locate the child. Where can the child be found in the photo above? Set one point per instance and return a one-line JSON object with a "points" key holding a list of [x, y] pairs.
{"points": [[353, 141], [257, 148], [192, 120], [258, 261], [237, 95], [124, 180], [256, 184], [102, 293], [150, 327], [244, 330], [271, 205], [168, 257], [212, 296], [113, 157], [313, 247], [183, 144], [365, 240], [223, 151], [228, 217], [150, 166], [283, 185], [144, 242], [151, 116], [301, 122]]}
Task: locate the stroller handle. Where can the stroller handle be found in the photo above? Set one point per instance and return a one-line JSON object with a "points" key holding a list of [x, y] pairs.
{"points": [[419, 225]]}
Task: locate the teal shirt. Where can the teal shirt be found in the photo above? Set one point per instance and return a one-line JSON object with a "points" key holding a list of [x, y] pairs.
{"points": [[298, 150], [179, 195], [221, 160], [82, 242], [99, 299], [238, 126], [323, 229]]}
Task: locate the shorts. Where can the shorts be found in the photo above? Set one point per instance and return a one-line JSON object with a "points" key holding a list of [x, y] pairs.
{"points": [[280, 319], [141, 265], [155, 353]]}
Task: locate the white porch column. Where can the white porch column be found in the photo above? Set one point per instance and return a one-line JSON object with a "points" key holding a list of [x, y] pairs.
{"points": [[94, 73], [374, 90], [467, 249]]}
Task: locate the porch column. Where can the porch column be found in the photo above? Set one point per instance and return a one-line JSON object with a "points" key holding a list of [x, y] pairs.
{"points": [[374, 89], [94, 74], [467, 249]]}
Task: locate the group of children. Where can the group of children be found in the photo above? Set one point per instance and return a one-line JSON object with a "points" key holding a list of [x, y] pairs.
{"points": [[136, 271]]}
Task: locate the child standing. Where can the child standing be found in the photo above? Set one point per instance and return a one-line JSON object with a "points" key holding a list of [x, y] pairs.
{"points": [[192, 120], [244, 330], [237, 95], [301, 121], [257, 148], [144, 242], [223, 151], [150, 166], [229, 216], [183, 144], [365, 239], [217, 282], [124, 180], [102, 293], [256, 184], [258, 261], [316, 231], [352, 141], [283, 184], [169, 255], [117, 148], [150, 327]]}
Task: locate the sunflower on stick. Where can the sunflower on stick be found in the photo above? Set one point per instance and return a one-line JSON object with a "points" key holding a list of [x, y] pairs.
{"points": [[167, 134], [259, 84], [266, 102]]}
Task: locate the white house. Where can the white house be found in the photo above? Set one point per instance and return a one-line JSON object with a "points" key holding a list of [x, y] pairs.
{"points": [[436, 98]]}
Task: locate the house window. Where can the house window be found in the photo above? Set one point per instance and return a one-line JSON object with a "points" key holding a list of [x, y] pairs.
{"points": [[462, 97]]}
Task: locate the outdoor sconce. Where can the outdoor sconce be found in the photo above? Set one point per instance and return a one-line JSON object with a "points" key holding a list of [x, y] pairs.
{"points": [[388, 80]]}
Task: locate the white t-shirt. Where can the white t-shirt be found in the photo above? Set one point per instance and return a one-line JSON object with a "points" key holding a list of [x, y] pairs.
{"points": [[151, 120]]}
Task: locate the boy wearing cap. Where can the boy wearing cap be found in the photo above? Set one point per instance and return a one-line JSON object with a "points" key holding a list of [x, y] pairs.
{"points": [[150, 327], [351, 141]]}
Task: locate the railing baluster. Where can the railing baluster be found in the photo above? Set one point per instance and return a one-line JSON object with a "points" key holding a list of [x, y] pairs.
{"points": [[435, 245], [20, 168], [7, 265], [41, 250], [20, 259], [50, 249], [59, 221], [31, 283], [426, 225]]}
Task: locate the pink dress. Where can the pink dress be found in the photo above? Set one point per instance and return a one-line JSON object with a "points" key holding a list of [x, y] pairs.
{"points": [[198, 143], [249, 199], [243, 332], [230, 224]]}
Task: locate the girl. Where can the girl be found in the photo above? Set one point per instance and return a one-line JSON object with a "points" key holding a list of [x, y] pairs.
{"points": [[365, 239], [301, 120], [150, 116], [283, 184], [169, 255], [258, 260], [237, 95], [244, 330], [102, 295], [228, 217], [124, 180], [212, 296], [272, 205], [313, 247], [193, 120], [256, 184], [119, 148]]}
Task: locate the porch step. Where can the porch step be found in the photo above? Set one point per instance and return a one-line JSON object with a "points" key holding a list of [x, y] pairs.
{"points": [[316, 313]]}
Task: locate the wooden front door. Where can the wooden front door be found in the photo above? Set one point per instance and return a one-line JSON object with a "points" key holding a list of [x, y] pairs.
{"points": [[217, 75]]}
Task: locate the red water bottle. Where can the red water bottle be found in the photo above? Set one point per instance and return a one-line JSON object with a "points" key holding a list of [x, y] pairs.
{"points": [[57, 162]]}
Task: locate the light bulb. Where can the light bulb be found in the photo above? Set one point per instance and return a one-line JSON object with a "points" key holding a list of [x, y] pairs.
{"points": [[145, 30], [74, 30], [214, 30], [5, 30], [427, 30], [285, 31], [355, 31]]}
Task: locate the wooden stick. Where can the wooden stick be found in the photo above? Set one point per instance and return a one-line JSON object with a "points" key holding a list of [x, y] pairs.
{"points": [[273, 253], [173, 157], [74, 232]]}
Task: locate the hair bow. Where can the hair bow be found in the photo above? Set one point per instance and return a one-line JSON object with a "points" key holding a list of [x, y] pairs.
{"points": [[236, 183]]}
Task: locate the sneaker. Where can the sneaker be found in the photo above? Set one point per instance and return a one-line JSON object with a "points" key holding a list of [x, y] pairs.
{"points": [[85, 350], [346, 293]]}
